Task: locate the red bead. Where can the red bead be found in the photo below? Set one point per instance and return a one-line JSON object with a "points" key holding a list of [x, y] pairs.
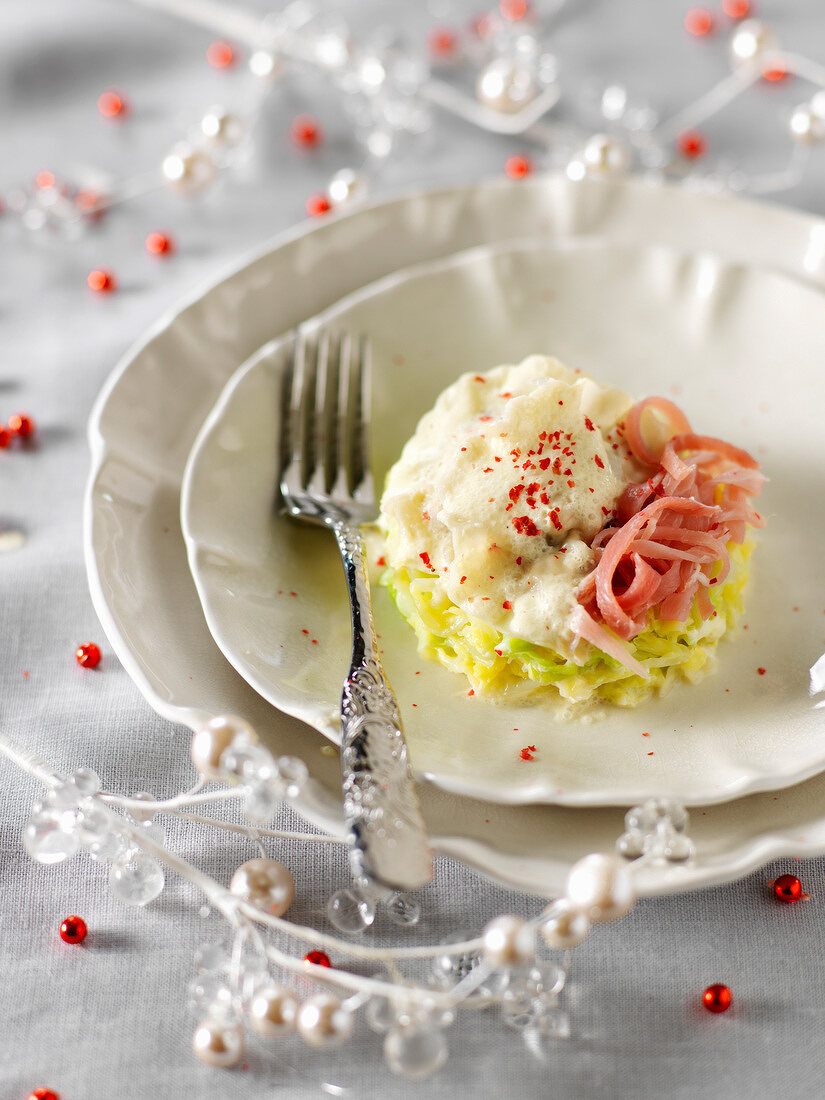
{"points": [[73, 930], [88, 655], [44, 180], [692, 144], [717, 998], [442, 41], [305, 131], [87, 202], [160, 244], [101, 281], [43, 1094], [514, 10], [5, 438], [699, 22], [112, 104], [788, 888], [737, 9], [517, 167], [317, 205], [21, 425], [774, 74], [317, 958], [220, 55]]}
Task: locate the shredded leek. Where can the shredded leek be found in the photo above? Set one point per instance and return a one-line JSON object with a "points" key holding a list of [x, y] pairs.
{"points": [[498, 664]]}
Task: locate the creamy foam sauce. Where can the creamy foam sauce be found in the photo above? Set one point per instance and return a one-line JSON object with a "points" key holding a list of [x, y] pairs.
{"points": [[502, 487]]}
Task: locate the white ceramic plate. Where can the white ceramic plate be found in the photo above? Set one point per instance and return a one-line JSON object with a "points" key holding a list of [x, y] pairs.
{"points": [[650, 320], [147, 416]]}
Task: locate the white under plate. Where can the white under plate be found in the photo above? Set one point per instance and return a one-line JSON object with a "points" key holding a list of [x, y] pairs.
{"points": [[149, 413], [650, 320]]}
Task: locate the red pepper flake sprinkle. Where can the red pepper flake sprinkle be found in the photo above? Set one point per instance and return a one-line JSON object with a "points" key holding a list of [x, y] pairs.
{"points": [[650, 754], [527, 752], [381, 561], [463, 579], [507, 605], [525, 526], [471, 692], [554, 519], [761, 671], [498, 652], [645, 735], [478, 378], [588, 423], [518, 561], [425, 557], [599, 462], [305, 632], [571, 483]]}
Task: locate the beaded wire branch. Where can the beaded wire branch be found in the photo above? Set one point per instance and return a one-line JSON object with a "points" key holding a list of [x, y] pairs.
{"points": [[248, 985], [390, 92]]}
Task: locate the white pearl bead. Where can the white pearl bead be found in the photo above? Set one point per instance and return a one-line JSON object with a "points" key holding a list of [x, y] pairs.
{"points": [[605, 155], [221, 127], [219, 1044], [346, 185], [273, 1011], [806, 127], [188, 169], [266, 884], [509, 941], [213, 739], [265, 65], [505, 85], [751, 42], [565, 926], [817, 104], [324, 1022], [600, 886]]}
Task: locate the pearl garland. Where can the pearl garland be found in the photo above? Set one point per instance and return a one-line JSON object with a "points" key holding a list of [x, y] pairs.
{"points": [[219, 1043]]}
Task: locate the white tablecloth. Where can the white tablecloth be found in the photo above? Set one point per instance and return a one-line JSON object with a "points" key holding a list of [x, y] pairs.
{"points": [[109, 1019]]}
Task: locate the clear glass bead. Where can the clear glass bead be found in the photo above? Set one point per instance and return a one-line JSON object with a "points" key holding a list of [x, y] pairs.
{"points": [[449, 970], [47, 839], [292, 775], [547, 980], [415, 1050], [259, 803], [135, 878], [111, 843], [85, 781], [247, 761], [679, 849], [402, 910], [641, 818], [631, 845], [93, 823], [211, 956], [614, 102], [349, 912], [208, 992], [65, 796], [551, 1023], [142, 816], [379, 1012]]}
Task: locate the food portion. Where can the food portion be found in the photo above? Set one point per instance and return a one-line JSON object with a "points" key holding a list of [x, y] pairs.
{"points": [[546, 533]]}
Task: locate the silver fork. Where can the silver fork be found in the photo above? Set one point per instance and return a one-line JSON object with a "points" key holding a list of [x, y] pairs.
{"points": [[325, 479]]}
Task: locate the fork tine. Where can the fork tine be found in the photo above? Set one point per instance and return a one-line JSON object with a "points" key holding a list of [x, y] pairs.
{"points": [[362, 482], [344, 440], [324, 427], [301, 399]]}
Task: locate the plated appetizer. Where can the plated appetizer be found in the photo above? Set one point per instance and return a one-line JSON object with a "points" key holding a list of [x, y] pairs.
{"points": [[545, 535]]}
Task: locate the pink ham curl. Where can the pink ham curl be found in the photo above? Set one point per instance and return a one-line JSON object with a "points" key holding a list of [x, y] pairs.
{"points": [[674, 528], [673, 416], [619, 546]]}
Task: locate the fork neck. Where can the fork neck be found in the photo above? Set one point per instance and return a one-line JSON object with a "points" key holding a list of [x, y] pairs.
{"points": [[354, 557]]}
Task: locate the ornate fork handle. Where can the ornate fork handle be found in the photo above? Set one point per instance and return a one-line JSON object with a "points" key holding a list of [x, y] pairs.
{"points": [[389, 841]]}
